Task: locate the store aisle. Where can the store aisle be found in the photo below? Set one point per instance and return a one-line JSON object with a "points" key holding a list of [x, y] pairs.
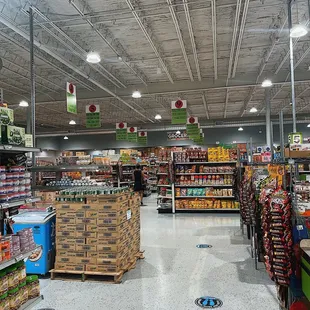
{"points": [[174, 272]]}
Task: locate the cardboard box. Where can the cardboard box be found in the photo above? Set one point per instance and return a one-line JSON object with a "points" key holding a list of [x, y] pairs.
{"points": [[6, 116], [92, 254], [89, 221], [102, 268], [69, 267], [116, 255], [13, 135], [65, 220], [86, 247], [92, 228], [110, 241], [90, 241], [76, 206], [69, 214], [69, 227], [67, 247], [67, 253], [85, 234], [117, 229], [92, 214], [76, 260], [112, 221], [107, 206], [68, 234], [120, 262], [65, 240], [110, 248]]}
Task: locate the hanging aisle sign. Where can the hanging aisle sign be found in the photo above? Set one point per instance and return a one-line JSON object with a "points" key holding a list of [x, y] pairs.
{"points": [[132, 134], [121, 131], [71, 98], [93, 119], [192, 127], [142, 137], [200, 139], [178, 111]]}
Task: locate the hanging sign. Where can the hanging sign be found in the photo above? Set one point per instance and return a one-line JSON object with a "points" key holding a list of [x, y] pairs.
{"points": [[179, 113], [200, 139], [71, 98], [142, 137], [132, 134], [175, 135], [121, 131], [93, 119], [192, 127]]}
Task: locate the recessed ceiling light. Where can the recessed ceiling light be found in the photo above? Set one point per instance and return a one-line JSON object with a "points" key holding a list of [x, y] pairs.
{"points": [[240, 129], [253, 110], [93, 58], [308, 125], [66, 138], [266, 83], [136, 94], [298, 31], [23, 103], [178, 132], [157, 116], [72, 122]]}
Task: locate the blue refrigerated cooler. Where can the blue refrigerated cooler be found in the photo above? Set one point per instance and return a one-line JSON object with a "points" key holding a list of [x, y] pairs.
{"points": [[43, 226]]}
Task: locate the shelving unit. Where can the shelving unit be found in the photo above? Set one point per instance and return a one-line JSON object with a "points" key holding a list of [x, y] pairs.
{"points": [[31, 303], [17, 203]]}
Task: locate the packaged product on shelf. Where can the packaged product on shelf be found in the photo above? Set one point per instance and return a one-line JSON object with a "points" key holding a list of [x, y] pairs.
{"points": [[33, 286], [14, 298], [13, 135], [6, 116], [5, 302], [4, 282]]}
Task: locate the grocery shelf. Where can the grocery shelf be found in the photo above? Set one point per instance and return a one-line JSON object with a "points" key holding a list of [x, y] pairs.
{"points": [[49, 188], [163, 162], [31, 303], [4, 148], [162, 185], [205, 162], [162, 173], [204, 210], [133, 165], [205, 173], [128, 173], [17, 203], [18, 258], [194, 197], [207, 185], [164, 197], [67, 168]]}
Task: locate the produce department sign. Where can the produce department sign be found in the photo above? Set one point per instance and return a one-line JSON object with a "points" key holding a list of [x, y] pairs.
{"points": [[173, 135], [121, 131], [132, 134], [192, 127], [93, 116], [142, 137], [178, 111], [71, 98]]}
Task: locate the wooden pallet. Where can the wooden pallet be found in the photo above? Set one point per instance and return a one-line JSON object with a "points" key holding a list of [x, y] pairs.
{"points": [[109, 277]]}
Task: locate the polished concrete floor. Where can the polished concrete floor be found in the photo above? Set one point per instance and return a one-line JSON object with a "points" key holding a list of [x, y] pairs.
{"points": [[175, 272]]}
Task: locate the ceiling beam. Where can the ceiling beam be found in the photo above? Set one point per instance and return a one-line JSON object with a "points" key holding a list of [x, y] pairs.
{"points": [[214, 37], [204, 100]]}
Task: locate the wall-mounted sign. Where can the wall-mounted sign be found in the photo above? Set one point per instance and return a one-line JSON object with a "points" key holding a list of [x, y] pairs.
{"points": [[121, 131], [93, 119], [142, 137], [174, 135], [178, 111], [132, 134], [71, 98]]}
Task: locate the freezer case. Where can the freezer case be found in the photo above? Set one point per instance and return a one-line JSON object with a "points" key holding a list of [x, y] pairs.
{"points": [[43, 226]]}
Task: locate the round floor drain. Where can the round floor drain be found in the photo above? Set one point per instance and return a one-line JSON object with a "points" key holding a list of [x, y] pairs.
{"points": [[208, 302]]}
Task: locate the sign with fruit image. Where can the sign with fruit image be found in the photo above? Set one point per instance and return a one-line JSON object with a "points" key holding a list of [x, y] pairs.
{"points": [[93, 119], [71, 98], [178, 111], [192, 127], [121, 131], [142, 137], [132, 134]]}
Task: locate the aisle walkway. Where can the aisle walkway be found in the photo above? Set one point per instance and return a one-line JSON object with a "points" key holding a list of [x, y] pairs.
{"points": [[175, 272]]}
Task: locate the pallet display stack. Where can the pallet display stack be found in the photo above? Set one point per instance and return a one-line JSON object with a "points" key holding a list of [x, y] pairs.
{"points": [[99, 237]]}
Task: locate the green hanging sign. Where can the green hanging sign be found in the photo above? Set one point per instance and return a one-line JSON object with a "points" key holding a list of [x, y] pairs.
{"points": [[132, 134], [192, 127], [93, 119], [200, 140], [179, 112], [71, 98], [121, 131], [142, 137]]}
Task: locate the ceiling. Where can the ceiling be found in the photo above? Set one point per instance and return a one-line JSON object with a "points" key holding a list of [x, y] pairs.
{"points": [[213, 53]]}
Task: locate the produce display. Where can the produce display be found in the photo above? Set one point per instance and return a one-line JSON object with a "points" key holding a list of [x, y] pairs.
{"points": [[205, 204], [16, 288], [214, 179], [198, 192], [203, 169], [14, 183], [278, 239]]}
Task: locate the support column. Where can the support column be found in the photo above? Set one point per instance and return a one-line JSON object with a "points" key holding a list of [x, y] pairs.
{"points": [[289, 14], [281, 129], [32, 77], [268, 123]]}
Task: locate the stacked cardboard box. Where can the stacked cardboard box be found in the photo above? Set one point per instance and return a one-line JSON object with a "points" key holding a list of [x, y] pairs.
{"points": [[101, 235]]}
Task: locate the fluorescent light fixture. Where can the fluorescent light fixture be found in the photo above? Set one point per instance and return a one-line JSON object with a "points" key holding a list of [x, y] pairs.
{"points": [[178, 132], [308, 125], [298, 31], [253, 110], [136, 94], [266, 83], [93, 58], [240, 129], [157, 116], [23, 103], [66, 138], [72, 122]]}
